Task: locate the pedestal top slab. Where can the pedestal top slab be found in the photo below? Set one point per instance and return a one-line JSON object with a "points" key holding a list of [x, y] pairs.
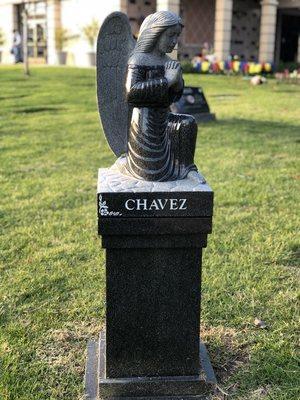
{"points": [[120, 195], [110, 180]]}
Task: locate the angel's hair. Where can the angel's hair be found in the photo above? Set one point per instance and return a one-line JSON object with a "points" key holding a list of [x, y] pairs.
{"points": [[152, 27]]}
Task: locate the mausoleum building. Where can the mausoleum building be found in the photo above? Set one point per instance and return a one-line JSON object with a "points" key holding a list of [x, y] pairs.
{"points": [[253, 30]]}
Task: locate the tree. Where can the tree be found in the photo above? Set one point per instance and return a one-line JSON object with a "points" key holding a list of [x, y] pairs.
{"points": [[25, 42], [61, 38], [2, 38], [90, 32]]}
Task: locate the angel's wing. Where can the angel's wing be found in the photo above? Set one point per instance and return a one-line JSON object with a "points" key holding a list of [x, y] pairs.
{"points": [[114, 45]]}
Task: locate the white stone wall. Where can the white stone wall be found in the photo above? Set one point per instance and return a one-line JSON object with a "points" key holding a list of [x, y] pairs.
{"points": [[75, 14], [223, 22], [52, 22], [170, 5], [267, 30], [6, 25], [70, 14]]}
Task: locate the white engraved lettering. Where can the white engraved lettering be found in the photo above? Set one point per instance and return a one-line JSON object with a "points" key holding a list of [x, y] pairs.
{"points": [[182, 204], [127, 204], [173, 204], [162, 205], [141, 203], [154, 205]]}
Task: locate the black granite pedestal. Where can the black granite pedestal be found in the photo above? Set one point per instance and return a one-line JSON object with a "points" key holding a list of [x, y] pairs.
{"points": [[153, 234]]}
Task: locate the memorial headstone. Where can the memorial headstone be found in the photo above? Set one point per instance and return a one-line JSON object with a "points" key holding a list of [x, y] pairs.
{"points": [[154, 214], [193, 102]]}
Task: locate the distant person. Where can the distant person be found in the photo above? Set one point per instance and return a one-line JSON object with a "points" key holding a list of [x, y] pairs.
{"points": [[17, 46]]}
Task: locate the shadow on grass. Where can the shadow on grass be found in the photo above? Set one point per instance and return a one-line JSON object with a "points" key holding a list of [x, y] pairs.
{"points": [[13, 79], [44, 291], [227, 355], [19, 96], [292, 258], [292, 90], [32, 298], [32, 110], [225, 95], [86, 84], [260, 128]]}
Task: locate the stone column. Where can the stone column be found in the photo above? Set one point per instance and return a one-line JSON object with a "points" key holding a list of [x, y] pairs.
{"points": [[223, 18], [153, 233], [7, 25], [168, 5], [298, 53], [123, 6], [53, 22], [267, 30]]}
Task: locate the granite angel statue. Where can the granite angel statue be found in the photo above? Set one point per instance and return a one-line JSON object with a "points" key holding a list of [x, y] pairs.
{"points": [[136, 84]]}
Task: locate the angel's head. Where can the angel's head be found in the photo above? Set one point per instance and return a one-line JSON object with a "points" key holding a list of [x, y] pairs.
{"points": [[159, 31]]}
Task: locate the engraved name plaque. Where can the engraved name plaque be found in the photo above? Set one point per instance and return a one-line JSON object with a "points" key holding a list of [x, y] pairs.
{"points": [[133, 198]]}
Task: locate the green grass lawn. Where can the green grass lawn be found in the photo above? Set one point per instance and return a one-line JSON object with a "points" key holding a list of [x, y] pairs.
{"points": [[52, 273]]}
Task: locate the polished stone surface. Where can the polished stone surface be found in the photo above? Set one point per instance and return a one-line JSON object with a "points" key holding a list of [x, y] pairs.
{"points": [[123, 196], [124, 241], [149, 330], [98, 386], [153, 283], [154, 226]]}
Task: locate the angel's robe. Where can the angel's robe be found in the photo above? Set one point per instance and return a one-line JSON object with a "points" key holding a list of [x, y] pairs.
{"points": [[161, 144]]}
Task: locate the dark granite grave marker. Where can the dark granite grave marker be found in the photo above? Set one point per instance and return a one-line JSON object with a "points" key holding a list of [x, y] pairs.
{"points": [[154, 215], [193, 102]]}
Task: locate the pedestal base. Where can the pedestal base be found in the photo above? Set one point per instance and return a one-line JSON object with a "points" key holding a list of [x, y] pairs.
{"points": [[97, 386]]}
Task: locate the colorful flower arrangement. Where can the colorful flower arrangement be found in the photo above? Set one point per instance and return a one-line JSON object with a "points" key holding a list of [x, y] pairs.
{"points": [[232, 67], [287, 76]]}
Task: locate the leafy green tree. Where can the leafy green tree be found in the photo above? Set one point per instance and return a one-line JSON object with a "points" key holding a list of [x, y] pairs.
{"points": [[61, 38], [2, 38], [90, 32]]}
